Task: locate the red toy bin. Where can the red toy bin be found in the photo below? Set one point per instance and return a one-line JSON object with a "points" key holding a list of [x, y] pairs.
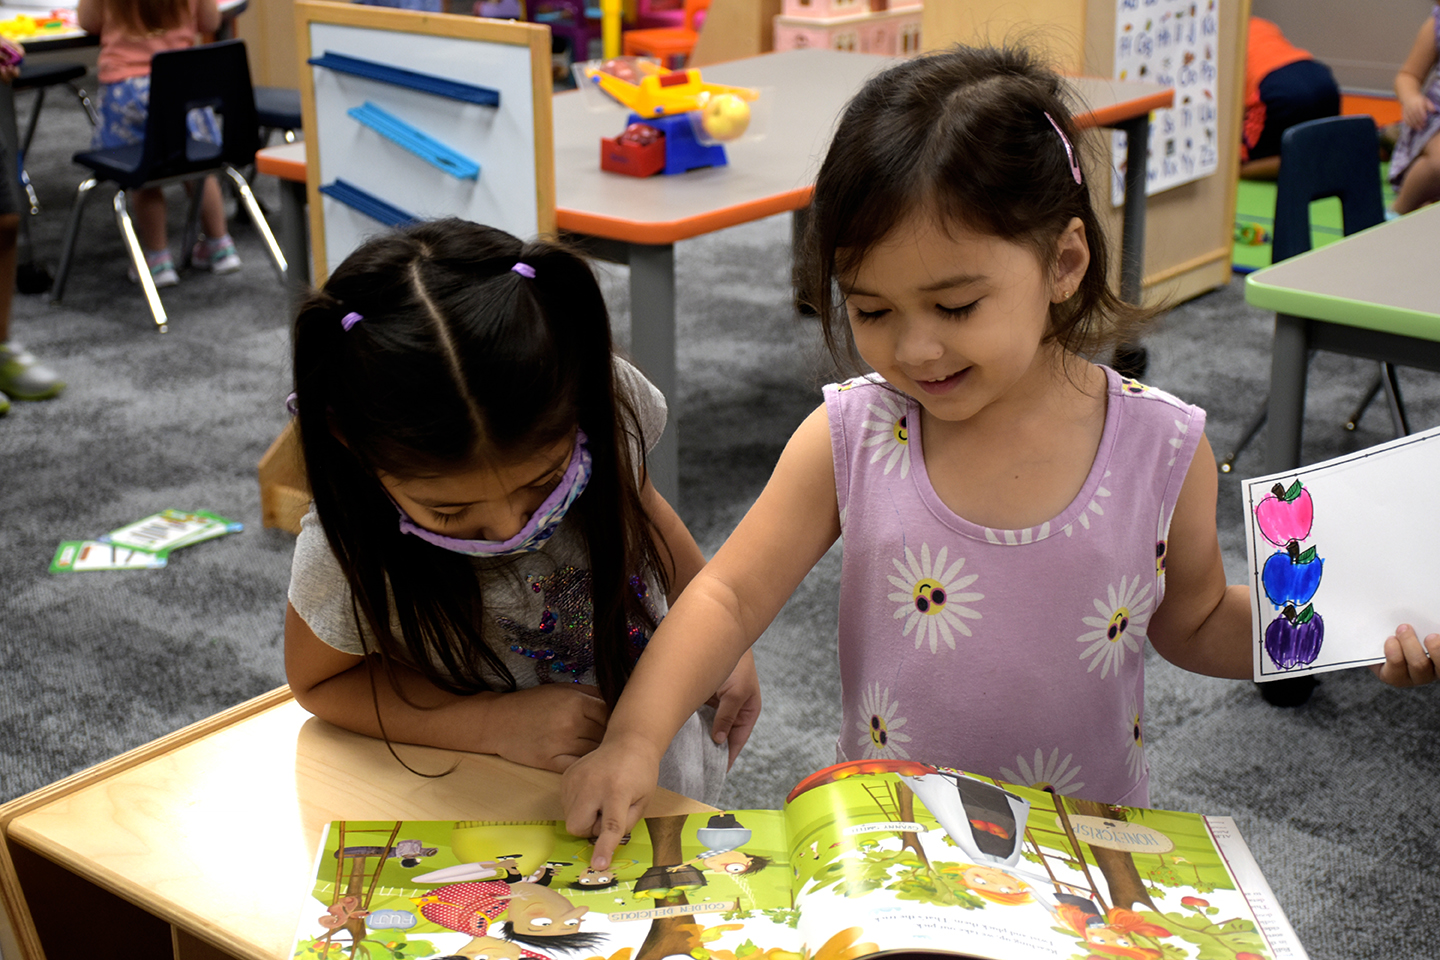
{"points": [[632, 159]]}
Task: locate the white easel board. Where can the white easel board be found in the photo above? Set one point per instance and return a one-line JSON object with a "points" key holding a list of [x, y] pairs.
{"points": [[511, 142]]}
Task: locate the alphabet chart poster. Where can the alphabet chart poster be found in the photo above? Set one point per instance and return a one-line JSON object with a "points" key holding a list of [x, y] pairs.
{"points": [[1174, 42], [1340, 554]]}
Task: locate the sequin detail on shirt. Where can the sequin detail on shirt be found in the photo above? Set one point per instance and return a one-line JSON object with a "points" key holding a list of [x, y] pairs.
{"points": [[561, 642]]}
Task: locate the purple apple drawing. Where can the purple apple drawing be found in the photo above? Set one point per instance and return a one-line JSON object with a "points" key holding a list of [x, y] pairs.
{"points": [[1294, 639], [1285, 514], [1292, 577]]}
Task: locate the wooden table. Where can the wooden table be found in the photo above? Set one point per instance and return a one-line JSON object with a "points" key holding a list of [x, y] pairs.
{"points": [[1371, 294], [202, 844]]}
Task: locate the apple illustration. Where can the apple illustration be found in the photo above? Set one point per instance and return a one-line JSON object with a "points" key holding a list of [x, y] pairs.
{"points": [[1294, 639], [1290, 576], [1285, 514]]}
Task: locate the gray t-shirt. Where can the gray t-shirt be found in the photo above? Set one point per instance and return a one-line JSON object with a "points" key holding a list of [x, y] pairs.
{"points": [[538, 612]]}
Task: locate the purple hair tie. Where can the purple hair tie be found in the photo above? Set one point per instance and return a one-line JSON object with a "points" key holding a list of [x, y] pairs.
{"points": [[524, 269], [350, 319], [292, 404], [1069, 150]]}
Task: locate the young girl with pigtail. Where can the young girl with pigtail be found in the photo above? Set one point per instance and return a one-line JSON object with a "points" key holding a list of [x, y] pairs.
{"points": [[485, 558]]}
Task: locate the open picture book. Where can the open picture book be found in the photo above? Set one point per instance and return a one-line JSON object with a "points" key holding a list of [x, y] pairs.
{"points": [[866, 858]]}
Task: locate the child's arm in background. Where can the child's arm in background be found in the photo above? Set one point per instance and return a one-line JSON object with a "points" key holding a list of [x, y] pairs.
{"points": [[1203, 624], [722, 612], [90, 15], [1415, 107], [737, 701], [546, 726]]}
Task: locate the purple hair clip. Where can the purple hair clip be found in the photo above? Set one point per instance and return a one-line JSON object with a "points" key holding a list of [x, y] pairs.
{"points": [[524, 269], [292, 404], [350, 319], [1069, 150]]}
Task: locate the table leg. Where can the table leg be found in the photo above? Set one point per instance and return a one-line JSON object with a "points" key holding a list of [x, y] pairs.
{"points": [[293, 220], [1132, 236], [1289, 361], [652, 345]]}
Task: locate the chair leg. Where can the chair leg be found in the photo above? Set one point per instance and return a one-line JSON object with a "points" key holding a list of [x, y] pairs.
{"points": [[257, 217], [1370, 393], [137, 256], [1256, 422], [86, 103], [34, 119], [67, 245], [192, 223]]}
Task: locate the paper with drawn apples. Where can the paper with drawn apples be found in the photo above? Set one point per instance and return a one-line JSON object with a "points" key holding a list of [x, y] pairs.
{"points": [[1340, 554]]}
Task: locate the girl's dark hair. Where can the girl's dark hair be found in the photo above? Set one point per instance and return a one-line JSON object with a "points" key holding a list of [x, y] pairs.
{"points": [[461, 362], [963, 135]]}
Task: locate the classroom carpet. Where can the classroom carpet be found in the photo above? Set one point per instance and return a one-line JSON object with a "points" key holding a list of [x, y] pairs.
{"points": [[1255, 221], [1338, 798]]}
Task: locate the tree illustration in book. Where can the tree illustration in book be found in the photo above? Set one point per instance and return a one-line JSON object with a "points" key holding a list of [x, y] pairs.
{"points": [[866, 859]]}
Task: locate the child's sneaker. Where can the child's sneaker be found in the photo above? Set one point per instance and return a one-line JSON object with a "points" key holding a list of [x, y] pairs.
{"points": [[216, 255], [23, 377], [162, 269]]}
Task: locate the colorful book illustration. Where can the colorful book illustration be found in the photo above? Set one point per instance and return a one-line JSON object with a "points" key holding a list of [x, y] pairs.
{"points": [[1339, 556], [867, 858], [171, 529]]}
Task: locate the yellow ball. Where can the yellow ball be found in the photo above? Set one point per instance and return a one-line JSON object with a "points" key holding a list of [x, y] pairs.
{"points": [[725, 116]]}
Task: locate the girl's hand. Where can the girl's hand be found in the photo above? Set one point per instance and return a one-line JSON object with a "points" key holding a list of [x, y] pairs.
{"points": [[605, 792], [737, 706], [549, 726], [1408, 662], [1415, 111]]}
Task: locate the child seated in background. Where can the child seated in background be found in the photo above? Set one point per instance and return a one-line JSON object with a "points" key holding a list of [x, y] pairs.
{"points": [[1284, 85], [131, 32], [1415, 163], [21, 375]]}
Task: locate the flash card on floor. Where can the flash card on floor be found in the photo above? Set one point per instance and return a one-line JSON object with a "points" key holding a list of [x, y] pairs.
{"points": [[76, 556], [171, 529]]}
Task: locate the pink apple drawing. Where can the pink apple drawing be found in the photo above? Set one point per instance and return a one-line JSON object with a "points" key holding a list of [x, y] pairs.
{"points": [[1285, 514]]}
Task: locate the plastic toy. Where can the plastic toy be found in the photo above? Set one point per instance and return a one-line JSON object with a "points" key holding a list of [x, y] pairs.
{"points": [[692, 116]]}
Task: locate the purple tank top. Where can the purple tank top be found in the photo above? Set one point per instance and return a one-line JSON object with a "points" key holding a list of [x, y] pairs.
{"points": [[1017, 654]]}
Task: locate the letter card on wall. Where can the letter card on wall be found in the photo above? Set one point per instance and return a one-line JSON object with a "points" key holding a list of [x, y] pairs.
{"points": [[411, 116]]}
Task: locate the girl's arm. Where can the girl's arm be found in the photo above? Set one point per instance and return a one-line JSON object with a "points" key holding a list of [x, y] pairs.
{"points": [[547, 726], [1204, 626], [207, 16], [90, 15], [1415, 107], [722, 612], [737, 701]]}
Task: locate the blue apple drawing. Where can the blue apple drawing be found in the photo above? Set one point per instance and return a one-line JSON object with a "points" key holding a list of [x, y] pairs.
{"points": [[1291, 577]]}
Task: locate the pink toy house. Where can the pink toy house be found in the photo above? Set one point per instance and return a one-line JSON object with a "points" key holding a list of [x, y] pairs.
{"points": [[889, 27]]}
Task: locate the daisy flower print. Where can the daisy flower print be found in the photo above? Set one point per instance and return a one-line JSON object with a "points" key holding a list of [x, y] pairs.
{"points": [[1120, 627], [1042, 772], [930, 599], [879, 726], [889, 434]]}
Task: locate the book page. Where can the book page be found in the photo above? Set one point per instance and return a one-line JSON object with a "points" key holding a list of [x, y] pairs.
{"points": [[412, 889], [920, 858], [1339, 556]]}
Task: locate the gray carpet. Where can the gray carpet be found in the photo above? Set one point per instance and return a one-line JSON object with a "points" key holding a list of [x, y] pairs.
{"points": [[1338, 798]]}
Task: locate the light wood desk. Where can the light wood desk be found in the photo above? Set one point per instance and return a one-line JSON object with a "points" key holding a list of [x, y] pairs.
{"points": [[1370, 295], [202, 844]]}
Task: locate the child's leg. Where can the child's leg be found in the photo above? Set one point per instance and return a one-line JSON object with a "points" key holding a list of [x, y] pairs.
{"points": [[1421, 184], [21, 375], [147, 209], [215, 250]]}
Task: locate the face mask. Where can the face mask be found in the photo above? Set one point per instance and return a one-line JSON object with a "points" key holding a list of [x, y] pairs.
{"points": [[541, 525]]}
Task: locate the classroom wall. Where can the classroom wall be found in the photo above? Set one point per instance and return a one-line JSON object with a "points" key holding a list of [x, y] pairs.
{"points": [[1363, 43]]}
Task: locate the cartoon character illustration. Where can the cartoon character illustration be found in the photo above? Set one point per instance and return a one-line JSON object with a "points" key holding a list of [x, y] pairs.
{"points": [[409, 852], [985, 821], [535, 915], [1115, 935]]}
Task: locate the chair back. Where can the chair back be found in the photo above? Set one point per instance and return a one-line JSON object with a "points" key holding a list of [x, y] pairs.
{"points": [[1330, 157], [692, 8], [214, 75]]}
